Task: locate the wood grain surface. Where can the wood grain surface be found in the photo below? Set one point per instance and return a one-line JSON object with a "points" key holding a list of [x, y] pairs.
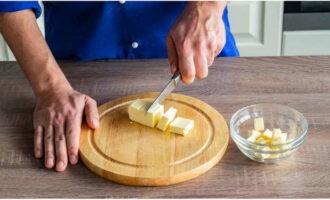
{"points": [[133, 154], [300, 82]]}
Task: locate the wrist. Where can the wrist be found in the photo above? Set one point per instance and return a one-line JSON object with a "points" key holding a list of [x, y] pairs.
{"points": [[209, 6], [51, 89], [50, 80]]}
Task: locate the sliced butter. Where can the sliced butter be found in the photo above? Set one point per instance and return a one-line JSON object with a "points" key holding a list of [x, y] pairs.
{"points": [[181, 126], [254, 135], [280, 139], [166, 119], [276, 132], [265, 155], [137, 112], [261, 140], [259, 124], [268, 134]]}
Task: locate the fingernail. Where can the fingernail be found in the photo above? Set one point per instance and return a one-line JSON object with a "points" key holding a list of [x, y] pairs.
{"points": [[173, 67], [60, 164], [95, 122], [49, 162], [73, 159]]}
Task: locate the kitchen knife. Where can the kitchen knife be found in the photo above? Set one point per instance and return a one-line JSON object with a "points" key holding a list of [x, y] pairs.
{"points": [[170, 86]]}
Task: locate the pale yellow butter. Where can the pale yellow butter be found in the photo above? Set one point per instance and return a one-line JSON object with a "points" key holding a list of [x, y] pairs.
{"points": [[254, 135], [259, 124], [261, 140], [280, 139], [166, 119], [137, 112], [276, 132], [181, 126], [268, 134], [265, 155]]}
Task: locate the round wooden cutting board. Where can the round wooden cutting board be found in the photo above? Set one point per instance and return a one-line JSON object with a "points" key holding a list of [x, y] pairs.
{"points": [[133, 154]]}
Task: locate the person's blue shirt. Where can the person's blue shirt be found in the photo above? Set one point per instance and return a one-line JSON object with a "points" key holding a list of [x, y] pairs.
{"points": [[107, 30]]}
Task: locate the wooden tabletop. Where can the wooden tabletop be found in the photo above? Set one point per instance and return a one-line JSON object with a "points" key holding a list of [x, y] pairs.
{"points": [[300, 82]]}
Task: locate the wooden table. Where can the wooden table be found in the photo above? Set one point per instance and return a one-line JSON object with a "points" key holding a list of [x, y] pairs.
{"points": [[300, 82]]}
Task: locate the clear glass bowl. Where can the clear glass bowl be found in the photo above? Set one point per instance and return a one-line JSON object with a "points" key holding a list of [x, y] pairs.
{"points": [[287, 119]]}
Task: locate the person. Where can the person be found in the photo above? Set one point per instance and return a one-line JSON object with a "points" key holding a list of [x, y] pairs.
{"points": [[190, 34]]}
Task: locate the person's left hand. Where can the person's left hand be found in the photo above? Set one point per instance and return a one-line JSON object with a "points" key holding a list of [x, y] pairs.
{"points": [[195, 39]]}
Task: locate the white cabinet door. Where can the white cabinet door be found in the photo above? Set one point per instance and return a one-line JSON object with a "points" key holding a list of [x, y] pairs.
{"points": [[5, 52], [257, 27], [309, 42]]}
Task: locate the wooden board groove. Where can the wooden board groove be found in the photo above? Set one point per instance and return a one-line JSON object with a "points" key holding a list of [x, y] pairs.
{"points": [[129, 153]]}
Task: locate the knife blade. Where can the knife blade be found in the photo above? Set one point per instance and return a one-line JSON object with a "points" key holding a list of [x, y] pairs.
{"points": [[170, 86]]}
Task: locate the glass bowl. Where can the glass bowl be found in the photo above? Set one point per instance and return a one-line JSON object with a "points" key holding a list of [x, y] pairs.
{"points": [[275, 116]]}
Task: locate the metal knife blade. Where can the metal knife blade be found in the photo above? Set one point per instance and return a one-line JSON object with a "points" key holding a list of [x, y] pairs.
{"points": [[170, 86]]}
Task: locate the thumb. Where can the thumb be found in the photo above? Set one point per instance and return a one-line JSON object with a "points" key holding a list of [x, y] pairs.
{"points": [[91, 112]]}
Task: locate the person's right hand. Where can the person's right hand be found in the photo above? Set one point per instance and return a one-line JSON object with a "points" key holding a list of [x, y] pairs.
{"points": [[57, 120]]}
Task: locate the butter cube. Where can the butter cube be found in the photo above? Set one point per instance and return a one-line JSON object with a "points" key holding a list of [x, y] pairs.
{"points": [[262, 140], [166, 119], [268, 134], [273, 148], [137, 112], [259, 124], [181, 126], [281, 139], [251, 139], [253, 136], [276, 132], [255, 133], [263, 155]]}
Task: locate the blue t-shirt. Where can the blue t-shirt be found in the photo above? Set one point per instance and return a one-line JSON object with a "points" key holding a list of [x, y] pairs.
{"points": [[107, 30]]}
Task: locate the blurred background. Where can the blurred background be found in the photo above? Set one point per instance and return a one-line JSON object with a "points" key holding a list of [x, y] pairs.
{"points": [[272, 28]]}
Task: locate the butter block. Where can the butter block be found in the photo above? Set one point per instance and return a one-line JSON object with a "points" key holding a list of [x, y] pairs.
{"points": [[166, 119], [268, 134], [259, 124], [137, 112], [181, 126]]}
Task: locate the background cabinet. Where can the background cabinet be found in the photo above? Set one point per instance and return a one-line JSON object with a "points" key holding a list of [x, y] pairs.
{"points": [[257, 27]]}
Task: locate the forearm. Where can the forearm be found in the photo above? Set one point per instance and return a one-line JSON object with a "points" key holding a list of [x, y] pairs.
{"points": [[23, 36]]}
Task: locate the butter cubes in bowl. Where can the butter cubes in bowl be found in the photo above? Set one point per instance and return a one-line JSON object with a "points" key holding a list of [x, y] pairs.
{"points": [[268, 132]]}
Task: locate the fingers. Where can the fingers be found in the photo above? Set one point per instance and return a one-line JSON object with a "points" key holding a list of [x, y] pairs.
{"points": [[201, 66], [57, 129], [187, 68], [72, 138], [49, 147], [60, 145], [172, 54], [91, 112], [38, 143]]}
